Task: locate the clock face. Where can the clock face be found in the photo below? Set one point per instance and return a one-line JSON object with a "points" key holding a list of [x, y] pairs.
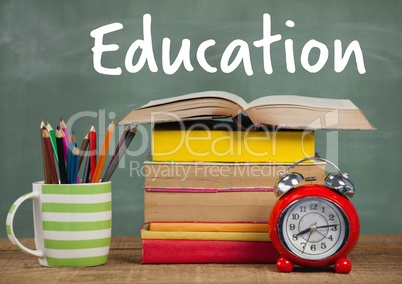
{"points": [[313, 228]]}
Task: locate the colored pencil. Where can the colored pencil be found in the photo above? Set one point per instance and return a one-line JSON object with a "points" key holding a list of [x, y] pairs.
{"points": [[52, 136], [73, 140], [50, 158], [122, 150], [46, 169], [60, 152], [85, 175], [72, 137], [74, 167], [70, 161], [121, 141], [102, 155], [66, 137], [92, 150], [83, 149]]}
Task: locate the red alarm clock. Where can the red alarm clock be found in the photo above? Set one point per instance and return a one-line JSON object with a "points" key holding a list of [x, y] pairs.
{"points": [[314, 225]]}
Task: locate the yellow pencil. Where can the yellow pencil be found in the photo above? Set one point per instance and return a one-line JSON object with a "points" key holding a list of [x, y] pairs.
{"points": [[103, 152]]}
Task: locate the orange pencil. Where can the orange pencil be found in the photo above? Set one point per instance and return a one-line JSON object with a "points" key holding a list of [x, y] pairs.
{"points": [[103, 152]]}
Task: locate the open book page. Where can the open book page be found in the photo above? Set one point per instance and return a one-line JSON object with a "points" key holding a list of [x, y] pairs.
{"points": [[293, 111], [298, 112], [201, 95], [203, 105], [303, 101]]}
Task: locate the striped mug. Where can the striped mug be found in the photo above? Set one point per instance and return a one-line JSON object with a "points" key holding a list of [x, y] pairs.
{"points": [[72, 223]]}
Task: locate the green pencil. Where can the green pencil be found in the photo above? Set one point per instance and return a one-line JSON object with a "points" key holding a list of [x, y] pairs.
{"points": [[53, 142]]}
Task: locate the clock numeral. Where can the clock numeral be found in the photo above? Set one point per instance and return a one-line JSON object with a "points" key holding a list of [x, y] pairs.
{"points": [[330, 238], [323, 209], [302, 208], [294, 237], [292, 227], [323, 246], [303, 244], [331, 217], [334, 228], [295, 216], [314, 207], [313, 248]]}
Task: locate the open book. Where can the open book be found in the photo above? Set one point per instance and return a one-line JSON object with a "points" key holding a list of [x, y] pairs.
{"points": [[294, 112]]}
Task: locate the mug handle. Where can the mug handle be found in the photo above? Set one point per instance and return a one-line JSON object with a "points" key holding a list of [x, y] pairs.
{"points": [[10, 221]]}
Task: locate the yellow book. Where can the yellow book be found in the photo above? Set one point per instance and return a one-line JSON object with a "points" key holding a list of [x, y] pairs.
{"points": [[211, 142], [210, 236]]}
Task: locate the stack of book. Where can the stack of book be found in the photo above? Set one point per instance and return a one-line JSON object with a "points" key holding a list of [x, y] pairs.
{"points": [[209, 190], [209, 183]]}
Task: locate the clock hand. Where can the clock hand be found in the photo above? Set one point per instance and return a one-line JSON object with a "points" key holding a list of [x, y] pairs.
{"points": [[308, 237], [322, 234], [326, 226], [313, 228], [307, 241], [304, 231]]}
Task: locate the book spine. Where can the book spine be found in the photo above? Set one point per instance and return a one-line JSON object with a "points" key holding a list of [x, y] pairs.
{"points": [[211, 236], [233, 175], [194, 251], [210, 190], [207, 207], [255, 146], [207, 227]]}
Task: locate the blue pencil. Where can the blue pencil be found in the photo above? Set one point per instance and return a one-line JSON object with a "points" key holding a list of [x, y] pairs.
{"points": [[74, 167], [69, 161]]}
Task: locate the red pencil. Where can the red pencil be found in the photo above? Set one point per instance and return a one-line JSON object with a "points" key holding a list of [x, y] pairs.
{"points": [[92, 149]]}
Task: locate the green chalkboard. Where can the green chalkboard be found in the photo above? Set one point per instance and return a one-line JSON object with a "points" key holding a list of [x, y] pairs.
{"points": [[49, 69]]}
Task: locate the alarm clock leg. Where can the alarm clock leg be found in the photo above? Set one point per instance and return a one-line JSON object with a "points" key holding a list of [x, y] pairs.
{"points": [[343, 265], [284, 265]]}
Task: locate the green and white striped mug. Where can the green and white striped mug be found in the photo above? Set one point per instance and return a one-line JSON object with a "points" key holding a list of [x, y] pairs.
{"points": [[72, 223]]}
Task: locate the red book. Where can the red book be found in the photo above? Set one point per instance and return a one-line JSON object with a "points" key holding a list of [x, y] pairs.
{"points": [[195, 251]]}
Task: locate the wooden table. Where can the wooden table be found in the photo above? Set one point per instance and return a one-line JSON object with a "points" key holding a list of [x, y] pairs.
{"points": [[376, 259]]}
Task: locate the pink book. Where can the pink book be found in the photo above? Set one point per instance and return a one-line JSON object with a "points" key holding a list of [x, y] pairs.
{"points": [[196, 251]]}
